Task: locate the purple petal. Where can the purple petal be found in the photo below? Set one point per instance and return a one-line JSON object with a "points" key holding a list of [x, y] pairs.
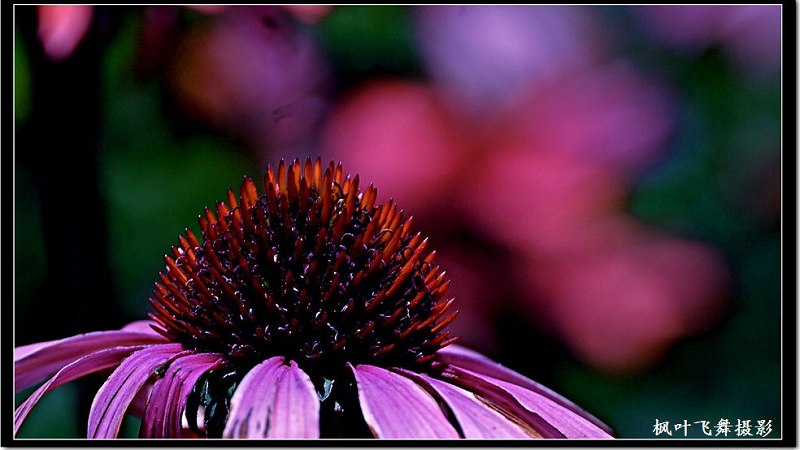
{"points": [[94, 362], [476, 362], [139, 403], [295, 413], [473, 361], [274, 401], [183, 395], [249, 409], [141, 326], [25, 350], [502, 400], [567, 421], [113, 398], [167, 400], [35, 362], [395, 407], [547, 415], [477, 419]]}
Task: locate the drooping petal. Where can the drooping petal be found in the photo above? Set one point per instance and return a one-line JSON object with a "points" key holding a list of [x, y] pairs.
{"points": [[35, 362], [567, 421], [164, 410], [477, 419], [141, 326], [176, 414], [503, 400], [473, 361], [139, 403], [295, 413], [274, 401], [112, 400], [395, 407], [250, 408], [91, 363], [553, 415], [25, 350]]}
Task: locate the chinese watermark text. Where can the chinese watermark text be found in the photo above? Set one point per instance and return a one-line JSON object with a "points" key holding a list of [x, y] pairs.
{"points": [[721, 428]]}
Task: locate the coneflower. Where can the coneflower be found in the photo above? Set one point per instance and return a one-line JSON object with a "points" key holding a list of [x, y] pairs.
{"points": [[305, 312]]}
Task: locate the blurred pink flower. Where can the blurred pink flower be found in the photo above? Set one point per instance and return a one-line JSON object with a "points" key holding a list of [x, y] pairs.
{"points": [[309, 13], [586, 270], [486, 53], [546, 127], [253, 74], [544, 203], [572, 145], [749, 34], [622, 305], [395, 131], [609, 114], [62, 27], [306, 13], [545, 182]]}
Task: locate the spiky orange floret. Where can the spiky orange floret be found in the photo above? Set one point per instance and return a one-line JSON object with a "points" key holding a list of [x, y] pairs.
{"points": [[312, 270]]}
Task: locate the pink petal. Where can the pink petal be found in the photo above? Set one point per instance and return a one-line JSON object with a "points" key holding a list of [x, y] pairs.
{"points": [[35, 362], [473, 361], [164, 410], [555, 416], [139, 403], [395, 407], [274, 401], [295, 412], [569, 423], [25, 350], [502, 400], [249, 411], [141, 326], [94, 362], [477, 419], [476, 362], [112, 400]]}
